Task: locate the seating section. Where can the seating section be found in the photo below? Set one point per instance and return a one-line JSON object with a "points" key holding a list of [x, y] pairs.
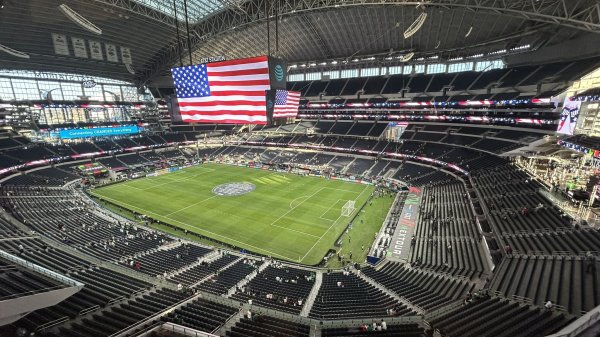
{"points": [[509, 82], [344, 295], [155, 263], [279, 287], [38, 252], [426, 290], [202, 315], [221, 282], [266, 326], [408, 330], [565, 280], [499, 318], [45, 177], [447, 237], [64, 216], [102, 287], [16, 281], [199, 272], [568, 240], [8, 230], [514, 202], [121, 316]]}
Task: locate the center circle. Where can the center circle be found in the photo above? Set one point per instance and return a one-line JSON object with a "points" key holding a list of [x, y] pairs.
{"points": [[233, 189]]}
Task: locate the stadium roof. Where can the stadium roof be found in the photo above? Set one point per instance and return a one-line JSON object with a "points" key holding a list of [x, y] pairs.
{"points": [[309, 30]]}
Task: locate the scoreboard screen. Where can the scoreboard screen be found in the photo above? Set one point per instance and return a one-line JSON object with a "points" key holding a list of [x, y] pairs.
{"points": [[243, 91]]}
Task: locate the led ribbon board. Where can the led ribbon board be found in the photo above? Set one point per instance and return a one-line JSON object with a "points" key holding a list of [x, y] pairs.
{"points": [[99, 132]]}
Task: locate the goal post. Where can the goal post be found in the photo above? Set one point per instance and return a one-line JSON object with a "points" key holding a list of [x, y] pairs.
{"points": [[348, 208]]}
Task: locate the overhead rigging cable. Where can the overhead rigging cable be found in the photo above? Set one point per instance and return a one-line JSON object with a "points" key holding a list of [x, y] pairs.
{"points": [[277, 29], [178, 38], [268, 14], [187, 29]]}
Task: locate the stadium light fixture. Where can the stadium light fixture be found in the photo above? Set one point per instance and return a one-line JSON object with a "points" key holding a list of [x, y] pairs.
{"points": [[79, 20], [334, 62], [469, 32], [407, 57], [475, 56], [13, 52], [415, 26]]}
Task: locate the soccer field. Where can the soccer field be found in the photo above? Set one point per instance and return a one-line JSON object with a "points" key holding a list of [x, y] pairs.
{"points": [[286, 216]]}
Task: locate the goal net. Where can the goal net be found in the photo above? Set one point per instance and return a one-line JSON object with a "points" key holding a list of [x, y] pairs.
{"points": [[348, 208]]}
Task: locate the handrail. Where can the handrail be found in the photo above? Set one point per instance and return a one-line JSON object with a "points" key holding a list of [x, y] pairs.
{"points": [[580, 325], [52, 323], [177, 329], [40, 269], [90, 309], [126, 330]]}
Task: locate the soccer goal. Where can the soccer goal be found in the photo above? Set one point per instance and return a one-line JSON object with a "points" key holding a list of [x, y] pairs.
{"points": [[348, 208]]}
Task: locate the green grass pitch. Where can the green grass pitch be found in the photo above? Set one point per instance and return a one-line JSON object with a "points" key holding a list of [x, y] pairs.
{"points": [[287, 216]]}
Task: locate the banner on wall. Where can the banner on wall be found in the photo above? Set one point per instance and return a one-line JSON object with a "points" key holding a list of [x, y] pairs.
{"points": [[96, 50], [126, 55], [111, 53], [79, 48], [568, 116], [401, 240], [60, 44]]}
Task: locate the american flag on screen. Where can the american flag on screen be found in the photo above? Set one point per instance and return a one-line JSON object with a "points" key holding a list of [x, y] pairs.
{"points": [[223, 92], [286, 103]]}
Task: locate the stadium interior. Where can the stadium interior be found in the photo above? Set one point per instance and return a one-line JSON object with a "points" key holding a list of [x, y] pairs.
{"points": [[299, 168]]}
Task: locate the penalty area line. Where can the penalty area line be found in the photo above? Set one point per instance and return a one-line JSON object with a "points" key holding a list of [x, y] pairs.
{"points": [[328, 229]]}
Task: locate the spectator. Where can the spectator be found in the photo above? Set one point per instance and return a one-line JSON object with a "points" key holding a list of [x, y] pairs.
{"points": [[508, 249], [590, 261], [549, 305], [468, 298], [383, 325]]}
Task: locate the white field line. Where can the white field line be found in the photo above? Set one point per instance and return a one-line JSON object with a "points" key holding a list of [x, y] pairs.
{"points": [[291, 202], [178, 180], [192, 227], [293, 208], [321, 216], [341, 189], [194, 204], [328, 229]]}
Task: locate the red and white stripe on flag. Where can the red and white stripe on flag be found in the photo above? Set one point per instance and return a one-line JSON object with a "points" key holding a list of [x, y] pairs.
{"points": [[237, 93], [289, 108]]}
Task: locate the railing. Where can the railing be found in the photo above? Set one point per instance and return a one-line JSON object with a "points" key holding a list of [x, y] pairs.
{"points": [[88, 310], [52, 323], [177, 329], [56, 276], [443, 310], [522, 299], [125, 331], [580, 325]]}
